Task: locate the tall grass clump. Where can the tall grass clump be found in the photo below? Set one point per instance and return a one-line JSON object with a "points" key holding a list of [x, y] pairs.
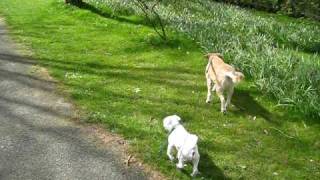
{"points": [[306, 8], [280, 54]]}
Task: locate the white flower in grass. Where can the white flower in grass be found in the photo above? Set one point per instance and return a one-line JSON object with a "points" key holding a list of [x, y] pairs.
{"points": [[137, 90], [72, 75], [275, 173]]}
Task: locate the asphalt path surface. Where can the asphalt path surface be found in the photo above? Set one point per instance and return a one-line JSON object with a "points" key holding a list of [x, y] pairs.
{"points": [[37, 140]]}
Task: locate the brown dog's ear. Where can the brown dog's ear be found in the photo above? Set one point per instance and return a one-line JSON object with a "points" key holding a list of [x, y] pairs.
{"points": [[240, 75], [207, 55], [218, 54], [213, 54]]}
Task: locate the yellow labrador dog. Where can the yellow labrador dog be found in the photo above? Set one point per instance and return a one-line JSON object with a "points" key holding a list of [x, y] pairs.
{"points": [[222, 78]]}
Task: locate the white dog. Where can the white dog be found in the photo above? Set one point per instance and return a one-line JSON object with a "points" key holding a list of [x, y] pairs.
{"points": [[184, 142]]}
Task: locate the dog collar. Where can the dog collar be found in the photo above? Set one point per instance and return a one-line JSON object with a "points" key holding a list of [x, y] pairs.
{"points": [[175, 127]]}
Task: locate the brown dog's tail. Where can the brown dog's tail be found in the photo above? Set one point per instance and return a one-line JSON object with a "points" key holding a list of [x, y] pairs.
{"points": [[207, 56], [236, 77]]}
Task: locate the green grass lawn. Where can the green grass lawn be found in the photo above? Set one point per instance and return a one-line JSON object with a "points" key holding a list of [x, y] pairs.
{"points": [[121, 75]]}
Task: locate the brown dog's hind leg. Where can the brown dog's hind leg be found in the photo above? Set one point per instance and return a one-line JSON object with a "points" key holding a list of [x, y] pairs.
{"points": [[209, 85], [230, 93], [222, 100]]}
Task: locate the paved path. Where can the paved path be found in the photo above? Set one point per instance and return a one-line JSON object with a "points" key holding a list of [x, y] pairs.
{"points": [[36, 140]]}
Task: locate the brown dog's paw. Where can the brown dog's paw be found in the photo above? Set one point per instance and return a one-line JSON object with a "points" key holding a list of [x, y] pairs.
{"points": [[224, 112]]}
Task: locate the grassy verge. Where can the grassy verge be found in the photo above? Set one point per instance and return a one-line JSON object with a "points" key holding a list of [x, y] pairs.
{"points": [[280, 54], [123, 76]]}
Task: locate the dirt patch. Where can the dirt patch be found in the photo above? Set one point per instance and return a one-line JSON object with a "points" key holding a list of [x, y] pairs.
{"points": [[121, 147], [42, 73]]}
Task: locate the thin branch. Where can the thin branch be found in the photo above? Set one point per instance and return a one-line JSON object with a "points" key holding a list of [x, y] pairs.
{"points": [[290, 137], [148, 12], [155, 4]]}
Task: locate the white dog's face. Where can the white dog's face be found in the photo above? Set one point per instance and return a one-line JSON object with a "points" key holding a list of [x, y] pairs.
{"points": [[184, 142], [170, 122]]}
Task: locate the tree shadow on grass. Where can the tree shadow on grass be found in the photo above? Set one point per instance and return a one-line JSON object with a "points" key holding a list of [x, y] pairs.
{"points": [[154, 41], [311, 48], [208, 168], [244, 100], [106, 14]]}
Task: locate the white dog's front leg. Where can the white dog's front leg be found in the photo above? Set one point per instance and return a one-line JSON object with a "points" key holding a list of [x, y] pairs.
{"points": [[169, 151], [180, 164], [195, 163], [209, 86]]}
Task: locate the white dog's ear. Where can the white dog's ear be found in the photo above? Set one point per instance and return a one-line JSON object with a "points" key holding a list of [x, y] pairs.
{"points": [[170, 122], [178, 118]]}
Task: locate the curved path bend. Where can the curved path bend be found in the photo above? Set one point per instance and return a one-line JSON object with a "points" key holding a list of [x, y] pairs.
{"points": [[36, 139]]}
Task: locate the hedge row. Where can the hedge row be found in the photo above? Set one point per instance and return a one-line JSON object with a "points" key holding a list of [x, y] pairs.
{"points": [[295, 8]]}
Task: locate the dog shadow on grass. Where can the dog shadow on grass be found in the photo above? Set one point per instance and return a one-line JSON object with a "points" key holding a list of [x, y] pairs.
{"points": [[207, 169], [248, 106]]}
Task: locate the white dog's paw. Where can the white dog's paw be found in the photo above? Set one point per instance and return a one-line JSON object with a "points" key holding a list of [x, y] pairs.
{"points": [[179, 166], [208, 101], [171, 158], [193, 174]]}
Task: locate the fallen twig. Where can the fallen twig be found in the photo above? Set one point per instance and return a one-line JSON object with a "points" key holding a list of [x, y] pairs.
{"points": [[290, 137], [128, 160]]}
